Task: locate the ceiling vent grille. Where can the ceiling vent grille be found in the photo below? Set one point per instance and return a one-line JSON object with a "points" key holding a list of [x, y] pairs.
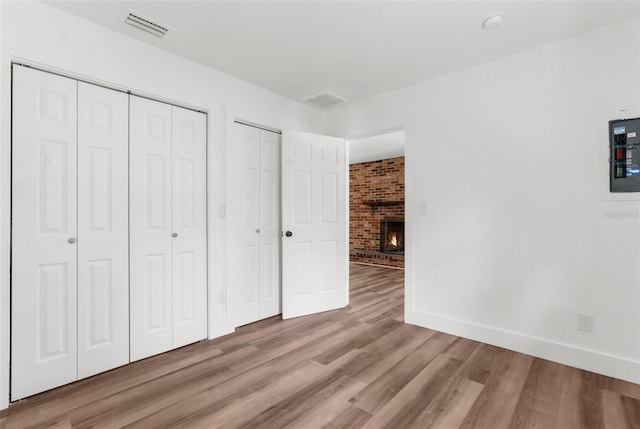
{"points": [[324, 100], [146, 25]]}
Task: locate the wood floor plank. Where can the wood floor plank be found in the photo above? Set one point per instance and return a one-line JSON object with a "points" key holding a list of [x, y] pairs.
{"points": [[342, 347], [386, 343], [304, 400], [456, 409], [591, 412], [314, 346], [386, 314], [351, 418], [325, 412], [632, 411], [569, 405], [128, 406], [539, 398], [356, 367], [403, 408], [293, 333], [63, 423], [614, 413], [484, 362], [376, 394], [284, 389], [381, 364], [495, 405], [36, 410], [225, 406], [607, 383], [265, 356], [462, 348]]}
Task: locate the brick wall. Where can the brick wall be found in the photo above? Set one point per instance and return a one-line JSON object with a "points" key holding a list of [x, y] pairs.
{"points": [[374, 181]]}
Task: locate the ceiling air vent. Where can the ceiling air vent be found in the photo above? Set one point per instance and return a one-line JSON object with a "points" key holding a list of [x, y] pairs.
{"points": [[324, 100], [146, 25]]}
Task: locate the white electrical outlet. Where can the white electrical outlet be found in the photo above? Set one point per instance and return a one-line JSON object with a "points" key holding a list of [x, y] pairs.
{"points": [[585, 322]]}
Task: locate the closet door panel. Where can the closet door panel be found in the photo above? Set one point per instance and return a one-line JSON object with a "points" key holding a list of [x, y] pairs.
{"points": [[44, 252], [269, 224], [103, 234], [151, 310], [189, 243], [244, 223]]}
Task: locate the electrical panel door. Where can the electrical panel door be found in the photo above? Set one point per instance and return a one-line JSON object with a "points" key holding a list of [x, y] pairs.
{"points": [[624, 143]]}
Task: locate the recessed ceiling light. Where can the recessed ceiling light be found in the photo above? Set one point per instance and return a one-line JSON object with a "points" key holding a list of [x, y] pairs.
{"points": [[494, 20]]}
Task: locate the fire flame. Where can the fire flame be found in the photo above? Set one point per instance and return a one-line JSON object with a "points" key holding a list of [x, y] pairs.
{"points": [[393, 239]]}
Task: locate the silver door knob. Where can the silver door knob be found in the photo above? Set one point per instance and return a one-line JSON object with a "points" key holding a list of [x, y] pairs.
{"points": [[71, 240], [174, 235], [258, 230]]}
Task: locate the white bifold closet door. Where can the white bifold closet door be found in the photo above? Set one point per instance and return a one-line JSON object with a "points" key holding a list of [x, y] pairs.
{"points": [[253, 242], [103, 229], [167, 227], [69, 231]]}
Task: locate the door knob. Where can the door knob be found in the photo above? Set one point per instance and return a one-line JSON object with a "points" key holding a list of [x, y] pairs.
{"points": [[174, 235], [71, 240], [288, 233], [258, 230]]}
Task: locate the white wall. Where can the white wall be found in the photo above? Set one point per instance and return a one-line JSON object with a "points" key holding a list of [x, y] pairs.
{"points": [[520, 232], [40, 34]]}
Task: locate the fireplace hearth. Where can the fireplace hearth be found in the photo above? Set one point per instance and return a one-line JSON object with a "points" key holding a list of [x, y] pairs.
{"points": [[392, 236]]}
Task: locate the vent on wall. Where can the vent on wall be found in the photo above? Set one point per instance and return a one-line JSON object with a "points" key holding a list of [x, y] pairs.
{"points": [[324, 100], [146, 25]]}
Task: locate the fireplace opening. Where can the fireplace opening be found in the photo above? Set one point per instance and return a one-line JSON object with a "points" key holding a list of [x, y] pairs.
{"points": [[392, 236]]}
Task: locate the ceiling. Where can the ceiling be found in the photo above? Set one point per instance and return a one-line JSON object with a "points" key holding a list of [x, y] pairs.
{"points": [[354, 49], [377, 147]]}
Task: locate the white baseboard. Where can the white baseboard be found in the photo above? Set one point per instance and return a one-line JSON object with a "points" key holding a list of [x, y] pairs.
{"points": [[590, 360]]}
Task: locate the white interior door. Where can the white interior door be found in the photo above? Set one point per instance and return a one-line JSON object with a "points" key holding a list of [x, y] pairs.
{"points": [[270, 285], [151, 315], [189, 219], [243, 217], [314, 221], [253, 247], [103, 229], [44, 249]]}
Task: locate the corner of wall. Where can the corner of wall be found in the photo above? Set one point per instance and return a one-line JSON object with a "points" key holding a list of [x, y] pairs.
{"points": [[590, 360]]}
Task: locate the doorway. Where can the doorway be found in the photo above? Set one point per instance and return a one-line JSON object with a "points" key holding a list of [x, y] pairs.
{"points": [[376, 200]]}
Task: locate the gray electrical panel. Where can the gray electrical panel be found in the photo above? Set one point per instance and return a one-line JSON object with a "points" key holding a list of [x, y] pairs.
{"points": [[624, 158]]}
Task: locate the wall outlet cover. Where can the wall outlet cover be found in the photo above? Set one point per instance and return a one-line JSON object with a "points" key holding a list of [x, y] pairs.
{"points": [[585, 322]]}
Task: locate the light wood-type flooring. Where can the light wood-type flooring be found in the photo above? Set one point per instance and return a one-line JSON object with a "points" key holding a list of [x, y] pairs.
{"points": [[356, 367]]}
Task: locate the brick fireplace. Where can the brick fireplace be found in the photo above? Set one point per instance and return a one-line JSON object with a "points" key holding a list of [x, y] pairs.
{"points": [[376, 207]]}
